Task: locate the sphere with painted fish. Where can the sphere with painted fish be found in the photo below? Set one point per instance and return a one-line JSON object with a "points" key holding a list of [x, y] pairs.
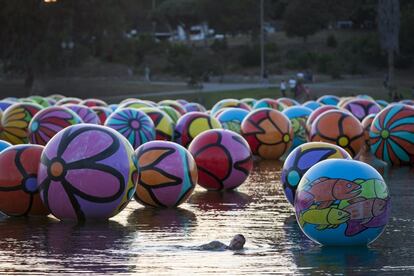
{"points": [[268, 132], [224, 159], [19, 194], [392, 135], [231, 118], [133, 124], [167, 174], [342, 203], [192, 124], [87, 172], [298, 115], [339, 128], [301, 159], [49, 121]]}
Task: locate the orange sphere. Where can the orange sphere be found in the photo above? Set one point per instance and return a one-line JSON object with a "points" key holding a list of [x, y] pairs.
{"points": [[339, 128], [268, 132]]}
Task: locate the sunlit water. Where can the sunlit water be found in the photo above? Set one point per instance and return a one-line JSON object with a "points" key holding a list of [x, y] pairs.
{"points": [[148, 241]]}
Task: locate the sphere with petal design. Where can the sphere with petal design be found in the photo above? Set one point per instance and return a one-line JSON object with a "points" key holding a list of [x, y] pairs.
{"points": [[164, 126], [167, 174], [298, 115], [87, 115], [361, 108], [301, 159], [136, 104], [93, 102], [15, 122], [366, 124], [228, 103], [268, 132], [192, 124], [288, 101], [189, 107], [49, 121], [223, 158], [312, 117], [56, 97], [342, 202], [87, 172], [174, 114], [69, 100], [4, 145], [43, 102], [174, 104], [392, 135], [231, 118], [133, 124], [329, 100], [102, 112], [19, 195], [339, 128], [269, 103]]}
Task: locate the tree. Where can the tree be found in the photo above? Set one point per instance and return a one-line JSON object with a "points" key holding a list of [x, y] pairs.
{"points": [[389, 29], [305, 17]]}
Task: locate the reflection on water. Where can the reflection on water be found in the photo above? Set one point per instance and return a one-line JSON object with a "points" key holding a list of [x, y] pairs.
{"points": [[159, 241]]}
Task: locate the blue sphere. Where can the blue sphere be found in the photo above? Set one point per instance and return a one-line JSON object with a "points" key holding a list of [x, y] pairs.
{"points": [[4, 145], [231, 118], [298, 115]]}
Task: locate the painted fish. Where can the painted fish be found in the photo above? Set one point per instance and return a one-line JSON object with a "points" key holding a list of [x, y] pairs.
{"points": [[324, 218], [327, 190]]}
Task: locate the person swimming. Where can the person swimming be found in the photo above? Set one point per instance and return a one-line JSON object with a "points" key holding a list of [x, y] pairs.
{"points": [[236, 243]]}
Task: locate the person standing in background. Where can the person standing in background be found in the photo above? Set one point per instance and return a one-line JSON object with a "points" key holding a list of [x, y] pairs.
{"points": [[283, 88]]}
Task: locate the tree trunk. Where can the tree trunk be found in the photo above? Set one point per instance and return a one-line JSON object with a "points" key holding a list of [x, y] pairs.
{"points": [[391, 80]]}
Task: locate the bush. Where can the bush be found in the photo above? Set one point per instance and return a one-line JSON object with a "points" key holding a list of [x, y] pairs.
{"points": [[331, 41], [219, 45], [250, 56], [296, 59]]}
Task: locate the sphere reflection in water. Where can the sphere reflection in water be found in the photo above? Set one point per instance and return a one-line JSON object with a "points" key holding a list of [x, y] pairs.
{"points": [[222, 201]]}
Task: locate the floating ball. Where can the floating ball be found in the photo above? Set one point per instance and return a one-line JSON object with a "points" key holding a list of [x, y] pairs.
{"points": [[360, 108], [15, 122], [133, 124], [70, 100], [182, 102], [136, 104], [192, 124], [164, 126], [4, 145], [301, 159], [87, 172], [228, 103], [298, 115], [167, 174], [174, 114], [392, 135], [231, 118], [339, 128], [87, 115], [56, 97], [249, 101], [268, 132], [383, 104], [93, 102], [342, 203], [51, 101], [312, 117], [223, 158], [329, 100], [288, 101], [407, 102], [312, 104], [102, 112], [40, 101], [366, 125], [174, 104], [5, 104], [189, 107], [49, 121], [269, 103], [19, 195], [113, 107]]}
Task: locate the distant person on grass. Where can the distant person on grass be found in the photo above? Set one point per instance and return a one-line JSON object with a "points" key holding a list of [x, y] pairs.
{"points": [[236, 243], [283, 88], [147, 73]]}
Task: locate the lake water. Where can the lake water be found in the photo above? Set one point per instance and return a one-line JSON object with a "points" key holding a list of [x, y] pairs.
{"points": [[158, 242]]}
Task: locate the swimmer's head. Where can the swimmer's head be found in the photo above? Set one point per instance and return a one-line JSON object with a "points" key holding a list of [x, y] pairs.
{"points": [[237, 242]]}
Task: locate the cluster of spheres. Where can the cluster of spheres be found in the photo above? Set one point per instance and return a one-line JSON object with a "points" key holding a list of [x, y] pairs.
{"points": [[85, 159]]}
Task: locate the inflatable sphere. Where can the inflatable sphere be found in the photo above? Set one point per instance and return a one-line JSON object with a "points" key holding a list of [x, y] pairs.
{"points": [[366, 125], [15, 122], [87, 115], [223, 159], [312, 117], [407, 102], [339, 128], [51, 101], [5, 104], [70, 100], [49, 121], [192, 124], [174, 114], [56, 97], [174, 104], [19, 195], [228, 103], [329, 100], [312, 104], [87, 172], [301, 159], [365, 97], [392, 135], [189, 107], [269, 103], [182, 102], [231, 118], [298, 115], [43, 102], [249, 101], [4, 145], [164, 126], [361, 108], [288, 101], [113, 107], [136, 104], [133, 124], [268, 132], [342, 203], [167, 174], [94, 102], [102, 112], [383, 104]]}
